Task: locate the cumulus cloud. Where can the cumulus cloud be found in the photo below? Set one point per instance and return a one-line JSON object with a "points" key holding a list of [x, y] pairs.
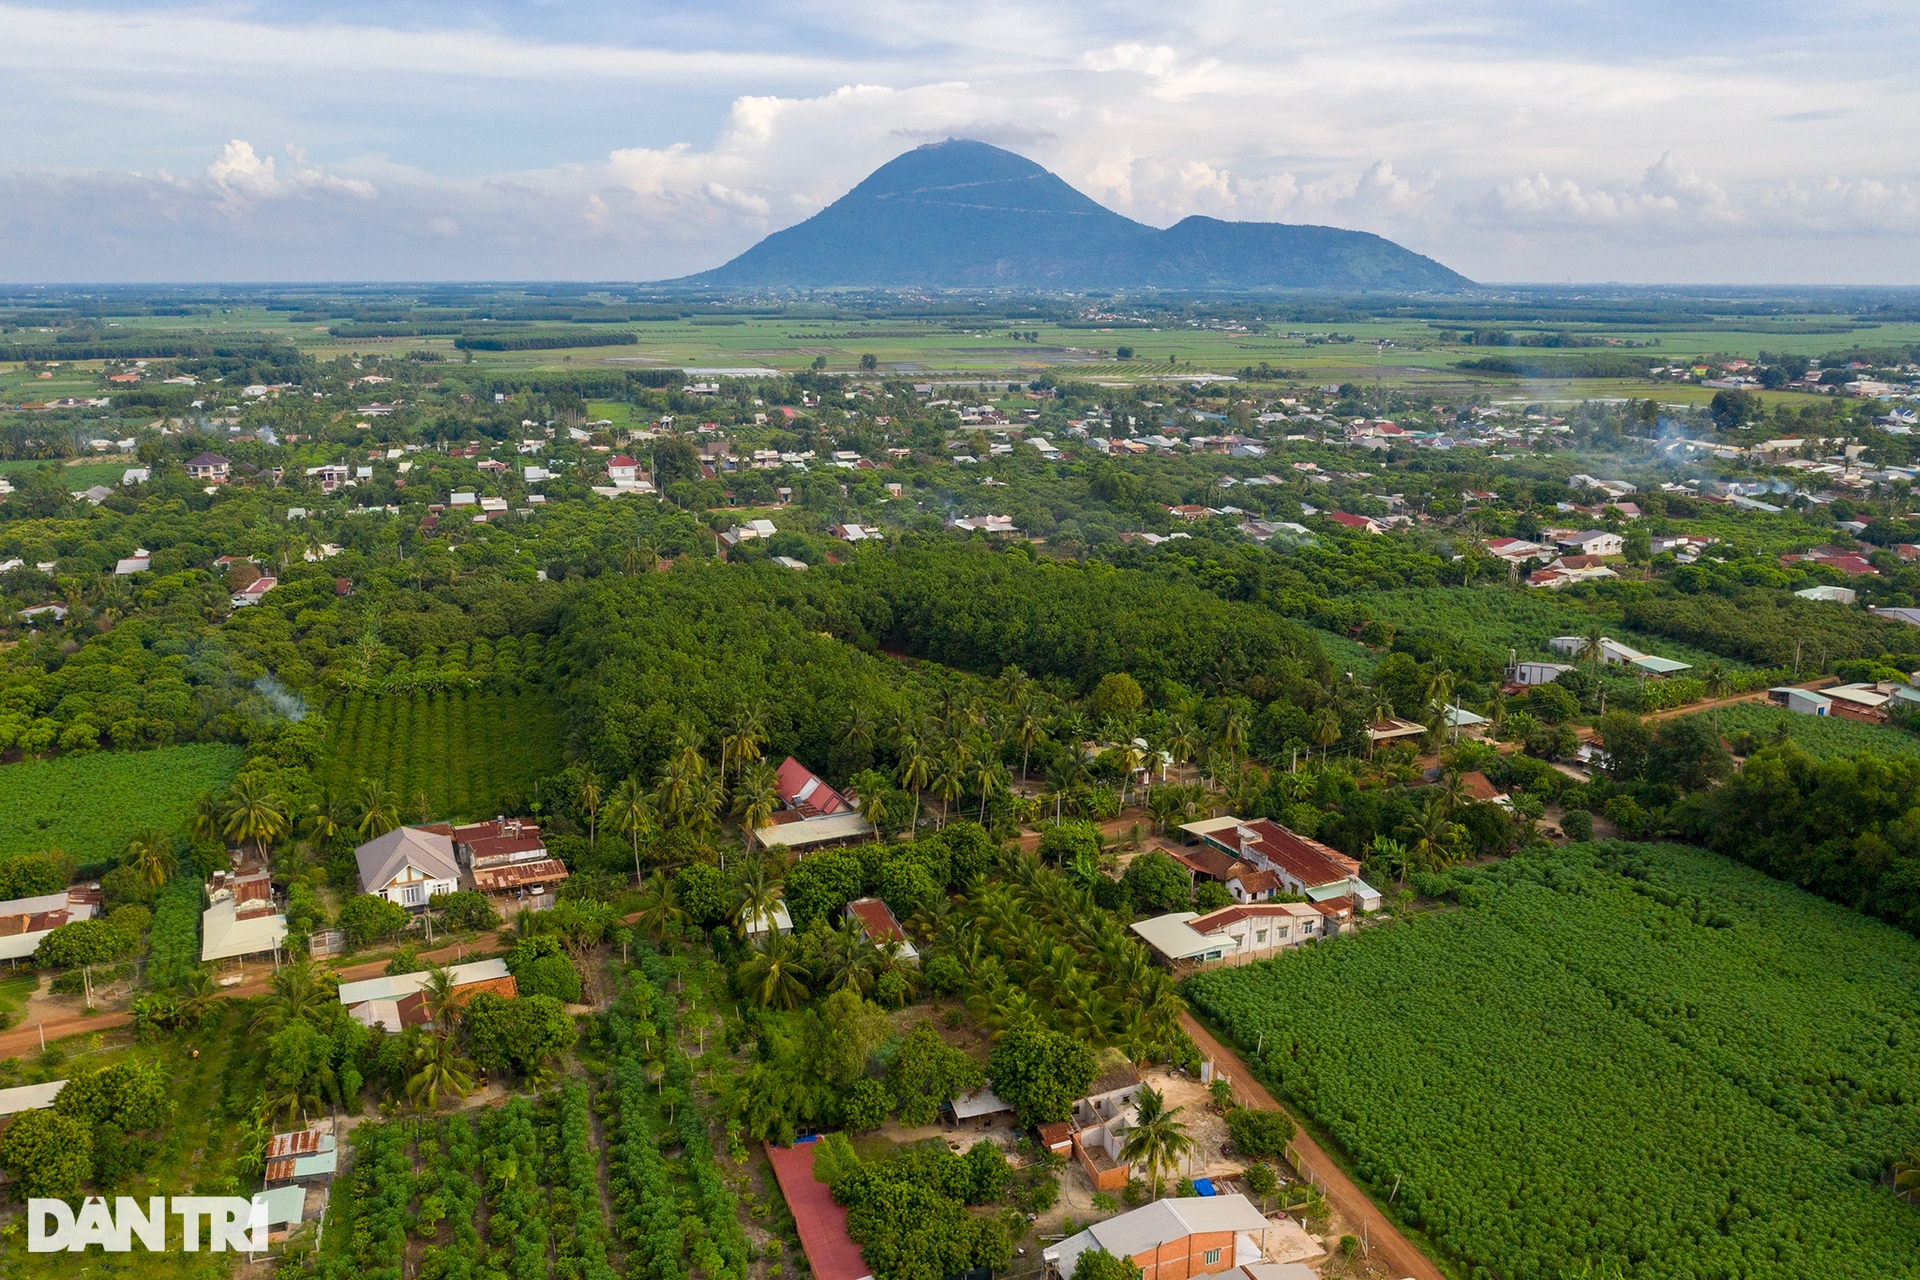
{"points": [[588, 140]]}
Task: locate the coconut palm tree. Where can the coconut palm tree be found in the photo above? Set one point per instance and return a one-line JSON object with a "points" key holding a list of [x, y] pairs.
{"points": [[1027, 732], [916, 768], [1906, 1176], [1436, 836], [1715, 678], [587, 792], [1325, 728], [150, 854], [208, 817], [630, 812], [439, 995], [442, 1070], [756, 892], [986, 780], [773, 976], [756, 796], [255, 813], [660, 908], [1593, 647], [851, 958], [950, 781], [298, 991], [379, 813], [1156, 1140]]}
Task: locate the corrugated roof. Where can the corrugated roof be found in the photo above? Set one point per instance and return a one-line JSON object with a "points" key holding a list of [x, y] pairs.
{"points": [[29, 1097], [878, 920], [384, 857], [822, 1224], [395, 986], [1157, 1224]]}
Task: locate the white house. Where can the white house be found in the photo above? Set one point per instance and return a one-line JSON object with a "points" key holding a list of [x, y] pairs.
{"points": [[1592, 542], [1829, 593], [408, 866], [25, 921]]}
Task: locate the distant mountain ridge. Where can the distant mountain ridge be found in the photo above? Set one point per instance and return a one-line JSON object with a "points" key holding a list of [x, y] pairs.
{"points": [[963, 214]]}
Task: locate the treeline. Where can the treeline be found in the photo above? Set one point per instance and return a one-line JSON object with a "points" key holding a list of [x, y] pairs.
{"points": [[1596, 365], [1848, 830], [543, 341], [1769, 628], [133, 349]]}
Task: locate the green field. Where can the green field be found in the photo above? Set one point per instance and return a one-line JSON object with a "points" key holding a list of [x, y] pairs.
{"points": [[89, 804], [1642, 1055], [1499, 618], [1823, 737], [472, 754]]}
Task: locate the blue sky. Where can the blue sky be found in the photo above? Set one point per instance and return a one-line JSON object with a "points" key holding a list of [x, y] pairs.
{"points": [[1761, 142]]}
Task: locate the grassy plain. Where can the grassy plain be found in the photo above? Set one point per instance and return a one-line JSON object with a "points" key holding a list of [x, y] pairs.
{"points": [[89, 804], [1419, 353]]}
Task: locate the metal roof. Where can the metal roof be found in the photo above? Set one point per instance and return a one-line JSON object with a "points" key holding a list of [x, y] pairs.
{"points": [[1157, 1224], [29, 1097], [400, 985], [384, 857], [225, 935]]}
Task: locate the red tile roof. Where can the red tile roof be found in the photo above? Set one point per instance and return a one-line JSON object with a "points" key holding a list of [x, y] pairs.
{"points": [[800, 789], [1258, 882], [515, 874], [876, 917], [822, 1224], [1225, 916], [1307, 861]]}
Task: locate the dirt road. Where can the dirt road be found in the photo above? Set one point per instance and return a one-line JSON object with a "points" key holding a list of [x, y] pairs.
{"points": [[58, 1022], [1385, 1243]]}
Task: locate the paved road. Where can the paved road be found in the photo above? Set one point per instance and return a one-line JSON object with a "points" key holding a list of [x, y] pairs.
{"points": [[1385, 1243]]}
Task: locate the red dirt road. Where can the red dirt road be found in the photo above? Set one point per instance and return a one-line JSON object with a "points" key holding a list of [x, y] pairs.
{"points": [[1385, 1243], [24, 1039]]}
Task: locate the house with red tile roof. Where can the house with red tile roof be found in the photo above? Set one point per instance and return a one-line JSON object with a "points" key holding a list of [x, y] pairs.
{"points": [[1364, 523], [1302, 866], [811, 813], [876, 920]]}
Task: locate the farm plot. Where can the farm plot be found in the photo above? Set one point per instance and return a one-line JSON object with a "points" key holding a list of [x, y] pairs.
{"points": [[470, 753], [1611, 1054], [1496, 619], [88, 805], [1822, 737]]}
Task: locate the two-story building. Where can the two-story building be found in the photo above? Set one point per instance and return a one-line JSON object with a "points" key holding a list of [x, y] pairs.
{"points": [[209, 468]]}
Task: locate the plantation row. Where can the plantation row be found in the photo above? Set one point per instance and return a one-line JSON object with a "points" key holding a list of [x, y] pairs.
{"points": [[1643, 1055], [472, 754], [530, 1164], [89, 803]]}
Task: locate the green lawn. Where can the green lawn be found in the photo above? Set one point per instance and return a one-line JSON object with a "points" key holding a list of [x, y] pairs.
{"points": [[89, 804]]}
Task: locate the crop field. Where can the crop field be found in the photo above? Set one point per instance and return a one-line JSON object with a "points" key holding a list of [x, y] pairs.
{"points": [[89, 804], [1499, 618], [472, 754], [74, 475], [1639, 1055], [1822, 737], [1409, 352]]}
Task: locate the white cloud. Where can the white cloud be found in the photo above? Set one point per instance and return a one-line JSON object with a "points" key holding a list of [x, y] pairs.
{"points": [[586, 140]]}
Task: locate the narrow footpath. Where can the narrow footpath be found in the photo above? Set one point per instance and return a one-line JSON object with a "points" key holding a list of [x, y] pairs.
{"points": [[1385, 1243]]}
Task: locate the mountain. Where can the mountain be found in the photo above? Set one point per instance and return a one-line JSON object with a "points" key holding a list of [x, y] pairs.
{"points": [[962, 214]]}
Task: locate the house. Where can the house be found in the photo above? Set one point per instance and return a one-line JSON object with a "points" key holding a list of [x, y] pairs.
{"points": [[876, 920], [1303, 866], [94, 495], [1801, 701], [997, 525], [774, 921], [298, 1156], [810, 813], [136, 475], [398, 1001], [505, 857], [24, 921], [408, 865], [1191, 511], [1174, 1239], [1515, 550], [1393, 729], [820, 1223], [622, 470], [1592, 542], [747, 532], [32, 613], [1363, 523], [1830, 594], [855, 532], [28, 1097], [210, 468], [251, 593], [240, 920], [1238, 934], [139, 562]]}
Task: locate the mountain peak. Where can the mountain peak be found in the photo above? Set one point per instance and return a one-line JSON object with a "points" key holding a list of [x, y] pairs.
{"points": [[963, 213]]}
